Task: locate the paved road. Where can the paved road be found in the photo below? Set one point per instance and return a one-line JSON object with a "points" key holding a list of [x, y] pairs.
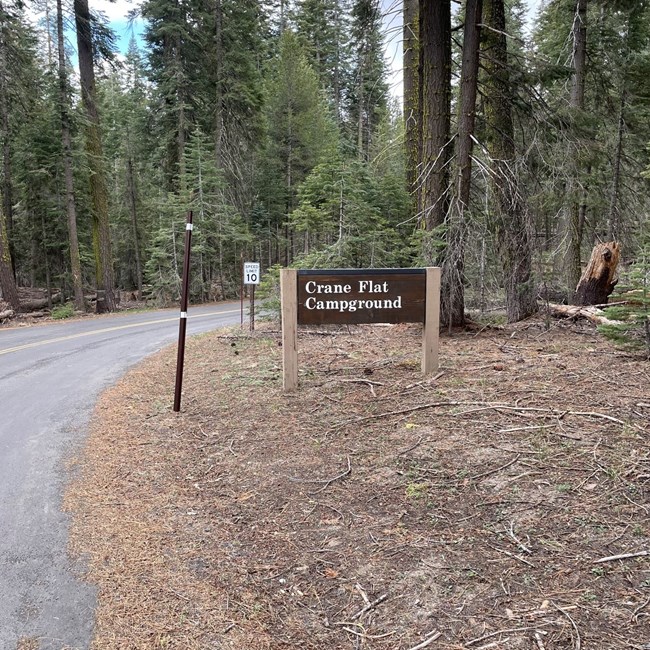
{"points": [[50, 377]]}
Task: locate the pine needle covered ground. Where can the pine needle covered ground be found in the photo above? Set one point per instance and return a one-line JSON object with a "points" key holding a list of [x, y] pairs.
{"points": [[503, 503]]}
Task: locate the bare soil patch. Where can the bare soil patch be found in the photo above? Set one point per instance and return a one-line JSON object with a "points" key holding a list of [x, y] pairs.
{"points": [[373, 508]]}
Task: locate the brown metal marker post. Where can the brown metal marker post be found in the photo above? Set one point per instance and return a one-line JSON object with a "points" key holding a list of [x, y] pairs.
{"points": [[252, 308], [182, 327]]}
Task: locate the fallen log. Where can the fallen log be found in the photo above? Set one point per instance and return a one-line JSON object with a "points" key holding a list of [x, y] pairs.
{"points": [[599, 278], [592, 314], [35, 304]]}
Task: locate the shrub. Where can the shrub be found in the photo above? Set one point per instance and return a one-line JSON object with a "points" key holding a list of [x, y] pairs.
{"points": [[63, 311]]}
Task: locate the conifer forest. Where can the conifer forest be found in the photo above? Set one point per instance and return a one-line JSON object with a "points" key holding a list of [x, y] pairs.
{"points": [[505, 149]]}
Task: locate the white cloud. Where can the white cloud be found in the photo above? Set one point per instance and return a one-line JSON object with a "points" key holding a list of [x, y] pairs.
{"points": [[114, 11]]}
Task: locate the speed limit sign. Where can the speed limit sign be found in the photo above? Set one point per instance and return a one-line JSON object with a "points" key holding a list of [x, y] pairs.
{"points": [[251, 273]]}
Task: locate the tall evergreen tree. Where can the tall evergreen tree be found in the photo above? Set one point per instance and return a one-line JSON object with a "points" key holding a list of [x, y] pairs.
{"points": [[323, 28], [95, 159], [435, 127], [173, 42], [369, 90], [66, 142], [16, 54], [411, 60], [453, 254], [508, 205], [301, 131]]}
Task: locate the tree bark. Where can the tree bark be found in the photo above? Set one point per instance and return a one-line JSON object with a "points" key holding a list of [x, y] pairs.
{"points": [[467, 99], [510, 215], [66, 140], [133, 209], [575, 221], [599, 278], [613, 218], [453, 262], [435, 83], [7, 281], [411, 95], [98, 190], [7, 190]]}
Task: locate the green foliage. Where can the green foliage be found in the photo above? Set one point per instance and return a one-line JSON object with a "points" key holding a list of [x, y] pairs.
{"points": [[268, 290], [340, 218], [218, 236], [272, 122], [60, 312], [323, 29]]}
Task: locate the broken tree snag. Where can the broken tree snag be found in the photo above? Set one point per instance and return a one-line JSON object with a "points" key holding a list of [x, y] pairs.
{"points": [[598, 280]]}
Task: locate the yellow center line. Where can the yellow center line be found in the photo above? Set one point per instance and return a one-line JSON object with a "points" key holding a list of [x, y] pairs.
{"points": [[104, 330]]}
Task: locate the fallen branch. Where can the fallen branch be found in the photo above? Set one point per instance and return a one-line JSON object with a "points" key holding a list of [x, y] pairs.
{"points": [[369, 606], [491, 634], [513, 555], [329, 481], [486, 406], [497, 469], [622, 556], [638, 610], [426, 642], [573, 624], [364, 635]]}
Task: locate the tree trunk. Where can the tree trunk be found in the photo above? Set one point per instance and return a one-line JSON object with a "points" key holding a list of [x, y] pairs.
{"points": [[510, 216], [131, 191], [66, 140], [435, 83], [7, 200], [467, 99], [98, 190], [592, 314], [7, 281], [577, 102], [613, 220], [453, 262], [411, 95], [599, 278]]}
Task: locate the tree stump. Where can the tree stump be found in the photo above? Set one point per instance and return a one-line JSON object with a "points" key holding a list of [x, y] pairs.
{"points": [[598, 280]]}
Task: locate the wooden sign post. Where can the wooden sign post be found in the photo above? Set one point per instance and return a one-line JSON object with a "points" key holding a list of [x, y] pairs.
{"points": [[359, 296]]}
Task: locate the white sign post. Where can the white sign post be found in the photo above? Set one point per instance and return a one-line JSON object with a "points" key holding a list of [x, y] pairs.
{"points": [[252, 277]]}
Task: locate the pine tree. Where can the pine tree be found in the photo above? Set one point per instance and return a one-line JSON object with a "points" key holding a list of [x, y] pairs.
{"points": [[66, 142], [369, 90], [99, 193], [510, 217], [412, 119], [7, 280], [340, 216], [301, 133], [323, 27]]}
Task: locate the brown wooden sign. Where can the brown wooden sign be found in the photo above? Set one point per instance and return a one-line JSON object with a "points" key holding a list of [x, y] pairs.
{"points": [[358, 296], [361, 296]]}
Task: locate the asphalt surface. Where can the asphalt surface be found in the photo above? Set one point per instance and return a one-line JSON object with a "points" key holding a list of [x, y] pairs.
{"points": [[50, 378]]}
